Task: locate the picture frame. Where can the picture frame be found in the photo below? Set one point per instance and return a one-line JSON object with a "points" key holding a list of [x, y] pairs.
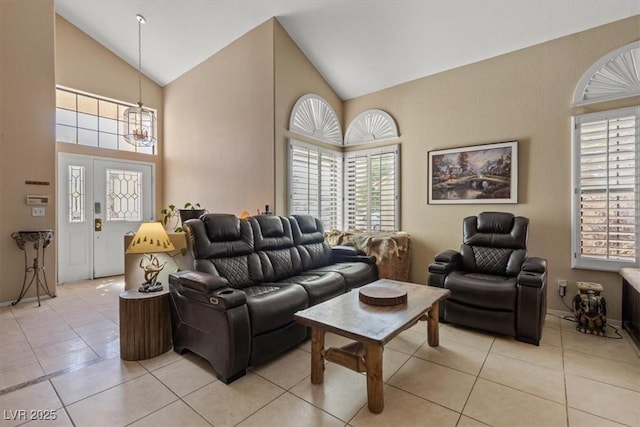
{"points": [[475, 174]]}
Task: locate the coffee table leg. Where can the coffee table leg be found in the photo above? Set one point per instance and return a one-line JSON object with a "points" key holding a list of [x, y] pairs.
{"points": [[433, 328], [373, 360], [317, 358]]}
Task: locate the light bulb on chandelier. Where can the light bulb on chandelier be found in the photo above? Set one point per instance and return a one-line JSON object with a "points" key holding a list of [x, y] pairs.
{"points": [[139, 121]]}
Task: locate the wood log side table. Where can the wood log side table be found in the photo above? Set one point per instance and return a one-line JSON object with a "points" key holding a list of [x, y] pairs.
{"points": [[145, 324]]}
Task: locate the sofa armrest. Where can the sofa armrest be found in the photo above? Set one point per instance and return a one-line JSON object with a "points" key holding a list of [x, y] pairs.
{"points": [[351, 254], [207, 288], [198, 281]]}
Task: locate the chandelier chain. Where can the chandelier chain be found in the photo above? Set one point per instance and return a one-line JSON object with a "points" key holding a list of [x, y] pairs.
{"points": [[140, 62]]}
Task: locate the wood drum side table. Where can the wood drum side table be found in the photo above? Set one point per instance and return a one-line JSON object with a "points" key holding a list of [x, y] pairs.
{"points": [[145, 324]]}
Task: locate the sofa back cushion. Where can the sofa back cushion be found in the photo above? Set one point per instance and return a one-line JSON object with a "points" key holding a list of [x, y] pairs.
{"points": [[494, 243], [224, 245], [308, 236], [274, 245]]}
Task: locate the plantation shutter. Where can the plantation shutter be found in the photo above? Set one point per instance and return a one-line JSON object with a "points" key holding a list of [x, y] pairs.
{"points": [[607, 189], [356, 182], [331, 190], [315, 186], [372, 196], [303, 180]]}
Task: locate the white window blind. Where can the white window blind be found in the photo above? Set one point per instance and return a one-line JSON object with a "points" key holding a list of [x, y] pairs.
{"points": [[315, 183], [606, 189], [372, 189]]}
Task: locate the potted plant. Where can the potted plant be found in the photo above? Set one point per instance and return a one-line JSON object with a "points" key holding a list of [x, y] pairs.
{"points": [[170, 215]]}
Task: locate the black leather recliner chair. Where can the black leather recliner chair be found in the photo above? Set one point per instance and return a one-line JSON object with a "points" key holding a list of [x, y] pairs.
{"points": [[494, 285]]}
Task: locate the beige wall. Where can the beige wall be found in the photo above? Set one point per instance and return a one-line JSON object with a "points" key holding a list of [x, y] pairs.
{"points": [[27, 103], [219, 129], [84, 64], [525, 96], [294, 76]]}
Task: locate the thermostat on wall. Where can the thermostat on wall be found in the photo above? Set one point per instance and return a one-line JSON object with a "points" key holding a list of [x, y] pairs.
{"points": [[37, 200]]}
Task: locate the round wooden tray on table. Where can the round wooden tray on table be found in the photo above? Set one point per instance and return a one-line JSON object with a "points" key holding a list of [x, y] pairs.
{"points": [[382, 295]]}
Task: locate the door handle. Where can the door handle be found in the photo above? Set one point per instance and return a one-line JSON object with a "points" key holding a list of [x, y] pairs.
{"points": [[97, 224]]}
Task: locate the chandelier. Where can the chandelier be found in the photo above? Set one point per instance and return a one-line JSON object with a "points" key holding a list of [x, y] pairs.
{"points": [[139, 122]]}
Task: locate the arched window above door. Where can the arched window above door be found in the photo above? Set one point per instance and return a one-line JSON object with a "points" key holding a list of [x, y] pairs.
{"points": [[614, 76]]}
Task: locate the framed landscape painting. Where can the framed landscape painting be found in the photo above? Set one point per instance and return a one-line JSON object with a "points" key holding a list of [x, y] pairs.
{"points": [[474, 174]]}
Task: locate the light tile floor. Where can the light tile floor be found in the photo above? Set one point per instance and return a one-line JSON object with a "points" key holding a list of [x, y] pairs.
{"points": [[62, 359]]}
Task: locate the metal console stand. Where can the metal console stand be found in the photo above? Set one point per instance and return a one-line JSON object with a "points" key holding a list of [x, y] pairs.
{"points": [[40, 239]]}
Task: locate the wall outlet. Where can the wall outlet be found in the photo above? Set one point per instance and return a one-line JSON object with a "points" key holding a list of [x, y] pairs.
{"points": [[37, 211], [562, 287]]}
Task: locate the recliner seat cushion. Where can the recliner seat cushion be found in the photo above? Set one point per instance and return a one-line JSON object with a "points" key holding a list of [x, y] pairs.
{"points": [[355, 274], [320, 287], [316, 254], [272, 306], [482, 290]]}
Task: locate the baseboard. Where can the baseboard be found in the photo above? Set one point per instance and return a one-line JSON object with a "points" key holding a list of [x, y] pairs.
{"points": [[23, 300]]}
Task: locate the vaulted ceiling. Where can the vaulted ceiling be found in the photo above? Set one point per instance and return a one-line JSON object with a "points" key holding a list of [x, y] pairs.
{"points": [[358, 46]]}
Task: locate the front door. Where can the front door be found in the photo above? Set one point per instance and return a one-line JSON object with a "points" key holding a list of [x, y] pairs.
{"points": [[99, 201]]}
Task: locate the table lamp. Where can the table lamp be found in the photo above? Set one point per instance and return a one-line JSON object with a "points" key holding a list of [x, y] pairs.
{"points": [[151, 238]]}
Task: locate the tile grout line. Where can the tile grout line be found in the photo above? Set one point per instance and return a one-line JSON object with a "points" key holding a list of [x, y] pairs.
{"points": [[475, 381]]}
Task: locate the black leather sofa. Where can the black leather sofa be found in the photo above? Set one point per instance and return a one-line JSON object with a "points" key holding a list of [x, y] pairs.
{"points": [[494, 285], [235, 308]]}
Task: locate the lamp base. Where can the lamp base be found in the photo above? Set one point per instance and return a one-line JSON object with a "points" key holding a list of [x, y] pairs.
{"points": [[146, 287]]}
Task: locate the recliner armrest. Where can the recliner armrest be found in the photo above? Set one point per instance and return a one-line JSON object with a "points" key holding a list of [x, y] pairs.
{"points": [[535, 265], [351, 254], [532, 279], [198, 281], [533, 272], [207, 288], [446, 261], [449, 256]]}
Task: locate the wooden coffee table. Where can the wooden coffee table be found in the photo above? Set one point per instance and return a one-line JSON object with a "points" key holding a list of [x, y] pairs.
{"points": [[371, 327]]}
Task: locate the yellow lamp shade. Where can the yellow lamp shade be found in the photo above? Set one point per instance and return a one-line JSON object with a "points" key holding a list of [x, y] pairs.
{"points": [[150, 238]]}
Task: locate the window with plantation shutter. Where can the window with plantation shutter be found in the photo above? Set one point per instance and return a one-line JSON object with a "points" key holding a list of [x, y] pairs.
{"points": [[606, 199], [315, 183], [355, 190], [372, 189]]}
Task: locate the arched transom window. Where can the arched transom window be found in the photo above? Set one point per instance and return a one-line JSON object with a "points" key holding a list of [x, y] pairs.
{"points": [[614, 76]]}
